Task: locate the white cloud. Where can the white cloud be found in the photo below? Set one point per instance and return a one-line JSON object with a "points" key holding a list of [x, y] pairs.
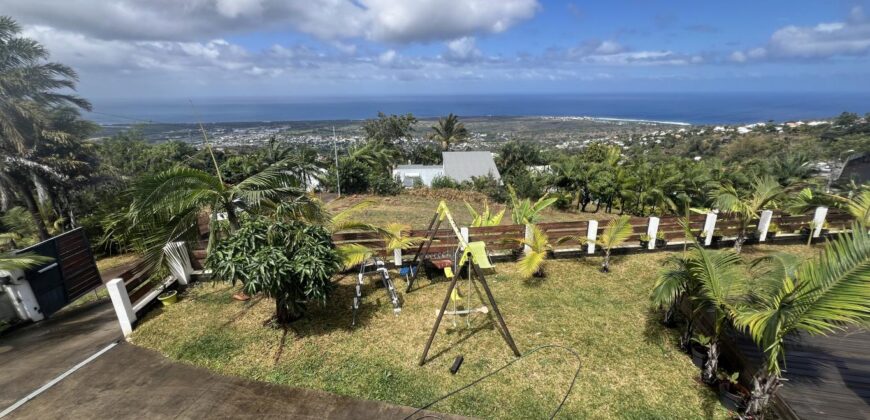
{"points": [[824, 40], [174, 20], [462, 50]]}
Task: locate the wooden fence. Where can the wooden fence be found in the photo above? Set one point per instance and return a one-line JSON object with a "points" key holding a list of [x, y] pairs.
{"points": [[504, 239]]}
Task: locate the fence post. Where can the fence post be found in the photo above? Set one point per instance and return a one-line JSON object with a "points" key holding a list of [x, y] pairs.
{"points": [[123, 307], [464, 232], [591, 236], [397, 257], [710, 227], [651, 230], [819, 220], [178, 261], [528, 236], [764, 224]]}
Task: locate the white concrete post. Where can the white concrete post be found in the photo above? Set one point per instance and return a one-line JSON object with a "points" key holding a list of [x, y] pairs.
{"points": [[397, 257], [651, 230], [764, 224], [819, 220], [21, 294], [121, 302], [710, 227], [178, 260], [528, 236], [591, 236], [464, 232]]}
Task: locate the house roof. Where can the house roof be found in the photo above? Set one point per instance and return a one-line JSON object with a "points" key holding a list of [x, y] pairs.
{"points": [[461, 166], [412, 167]]}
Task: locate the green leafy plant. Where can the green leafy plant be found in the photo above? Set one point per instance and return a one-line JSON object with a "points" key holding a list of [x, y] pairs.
{"points": [[485, 217], [746, 205], [817, 296], [289, 261], [448, 131], [523, 211], [531, 264], [615, 233], [21, 261]]}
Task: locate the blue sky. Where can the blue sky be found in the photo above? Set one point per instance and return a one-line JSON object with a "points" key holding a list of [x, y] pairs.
{"points": [[300, 48]]}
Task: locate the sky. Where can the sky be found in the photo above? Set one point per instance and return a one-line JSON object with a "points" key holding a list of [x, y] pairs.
{"points": [[309, 48]]}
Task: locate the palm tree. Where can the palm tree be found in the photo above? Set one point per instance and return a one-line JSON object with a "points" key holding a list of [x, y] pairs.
{"points": [[531, 264], [524, 212], [746, 206], [485, 217], [32, 92], [449, 131], [30, 88], [21, 261], [617, 231], [166, 206], [819, 296]]}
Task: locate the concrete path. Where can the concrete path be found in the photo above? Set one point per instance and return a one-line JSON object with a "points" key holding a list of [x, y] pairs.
{"points": [[132, 382]]}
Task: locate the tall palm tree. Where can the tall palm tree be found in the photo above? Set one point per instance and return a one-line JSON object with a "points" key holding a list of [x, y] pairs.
{"points": [[819, 296], [30, 87], [449, 131], [747, 205], [31, 90]]}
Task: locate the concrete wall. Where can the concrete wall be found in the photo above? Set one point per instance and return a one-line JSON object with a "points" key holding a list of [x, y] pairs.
{"points": [[426, 174]]}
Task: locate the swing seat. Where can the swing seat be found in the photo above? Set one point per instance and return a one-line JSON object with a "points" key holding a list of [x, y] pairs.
{"points": [[477, 250], [442, 263], [448, 272]]}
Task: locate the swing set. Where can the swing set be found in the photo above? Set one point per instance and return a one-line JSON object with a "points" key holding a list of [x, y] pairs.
{"points": [[472, 254]]}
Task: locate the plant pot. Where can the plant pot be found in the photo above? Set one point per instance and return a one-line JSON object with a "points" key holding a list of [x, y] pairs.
{"points": [[771, 235], [644, 244], [731, 397], [168, 297], [699, 355], [660, 243], [824, 233]]}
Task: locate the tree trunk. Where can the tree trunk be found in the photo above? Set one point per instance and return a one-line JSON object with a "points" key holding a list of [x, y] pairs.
{"points": [[741, 238], [286, 312], [232, 216], [712, 364], [605, 266], [32, 207], [764, 387], [686, 337]]}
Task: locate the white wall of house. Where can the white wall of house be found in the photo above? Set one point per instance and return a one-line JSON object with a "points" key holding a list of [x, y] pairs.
{"points": [[426, 173]]}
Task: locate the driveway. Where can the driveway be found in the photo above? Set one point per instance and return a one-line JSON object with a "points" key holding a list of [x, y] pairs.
{"points": [[126, 381]]}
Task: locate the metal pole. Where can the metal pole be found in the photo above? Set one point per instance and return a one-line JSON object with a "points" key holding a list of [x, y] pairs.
{"points": [[337, 173]]}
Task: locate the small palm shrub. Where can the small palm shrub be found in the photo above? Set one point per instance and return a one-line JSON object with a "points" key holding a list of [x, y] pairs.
{"points": [[444, 182]]}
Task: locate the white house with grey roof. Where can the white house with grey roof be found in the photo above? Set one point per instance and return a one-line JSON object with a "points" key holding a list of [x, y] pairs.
{"points": [[461, 166]]}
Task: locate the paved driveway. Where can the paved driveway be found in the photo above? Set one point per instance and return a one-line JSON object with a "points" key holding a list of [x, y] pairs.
{"points": [[127, 381]]}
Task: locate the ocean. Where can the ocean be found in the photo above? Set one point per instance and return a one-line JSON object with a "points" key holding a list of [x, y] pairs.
{"points": [[693, 108]]}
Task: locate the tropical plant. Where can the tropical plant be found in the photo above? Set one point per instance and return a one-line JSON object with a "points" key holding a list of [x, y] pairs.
{"points": [[674, 286], [537, 245], [615, 233], [523, 211], [292, 262], [166, 206], [485, 217], [449, 131], [21, 261], [747, 205], [818, 296]]}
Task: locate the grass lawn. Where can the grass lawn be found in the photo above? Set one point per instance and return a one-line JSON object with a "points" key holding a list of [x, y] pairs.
{"points": [[631, 367], [417, 210]]}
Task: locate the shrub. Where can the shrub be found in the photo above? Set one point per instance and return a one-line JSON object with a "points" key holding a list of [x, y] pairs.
{"points": [[382, 184], [444, 182], [291, 262]]}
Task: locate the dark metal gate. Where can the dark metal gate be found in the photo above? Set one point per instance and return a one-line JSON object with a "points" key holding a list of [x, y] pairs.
{"points": [[72, 273]]}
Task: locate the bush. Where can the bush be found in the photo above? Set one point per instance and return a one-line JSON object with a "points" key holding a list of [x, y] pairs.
{"points": [[487, 185], [444, 182], [381, 184], [291, 262]]}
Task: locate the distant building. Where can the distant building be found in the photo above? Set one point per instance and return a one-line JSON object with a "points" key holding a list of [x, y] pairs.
{"points": [[857, 168], [460, 166]]}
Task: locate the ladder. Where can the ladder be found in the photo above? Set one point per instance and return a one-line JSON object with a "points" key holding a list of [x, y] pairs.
{"points": [[379, 268]]}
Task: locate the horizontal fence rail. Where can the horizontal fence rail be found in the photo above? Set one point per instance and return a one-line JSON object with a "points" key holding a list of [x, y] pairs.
{"points": [[506, 238]]}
